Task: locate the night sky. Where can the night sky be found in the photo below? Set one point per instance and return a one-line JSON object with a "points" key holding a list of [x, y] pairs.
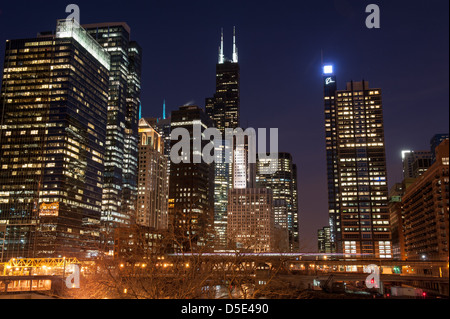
{"points": [[280, 45]]}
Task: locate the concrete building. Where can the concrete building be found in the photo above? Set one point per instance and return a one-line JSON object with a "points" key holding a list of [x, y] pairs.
{"points": [[251, 220], [426, 211], [153, 188]]}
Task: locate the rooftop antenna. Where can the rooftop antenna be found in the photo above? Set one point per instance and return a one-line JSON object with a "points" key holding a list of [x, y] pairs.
{"points": [[235, 49], [221, 55], [164, 110]]}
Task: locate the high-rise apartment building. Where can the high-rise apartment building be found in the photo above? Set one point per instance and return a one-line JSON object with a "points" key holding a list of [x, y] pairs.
{"points": [[121, 159], [153, 190], [356, 161], [191, 185], [425, 210], [54, 103], [224, 110], [283, 183]]}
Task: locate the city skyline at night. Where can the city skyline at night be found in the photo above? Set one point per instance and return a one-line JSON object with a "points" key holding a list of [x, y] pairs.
{"points": [[289, 41], [238, 150]]}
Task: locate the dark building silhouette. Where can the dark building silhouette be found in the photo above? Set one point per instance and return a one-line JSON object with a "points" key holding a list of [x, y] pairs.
{"points": [[191, 186]]}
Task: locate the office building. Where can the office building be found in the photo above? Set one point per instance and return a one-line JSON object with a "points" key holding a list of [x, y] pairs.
{"points": [[224, 109], [283, 183], [426, 211], [191, 186], [54, 103], [356, 161], [153, 188], [435, 141], [122, 139], [324, 241], [415, 163], [251, 221]]}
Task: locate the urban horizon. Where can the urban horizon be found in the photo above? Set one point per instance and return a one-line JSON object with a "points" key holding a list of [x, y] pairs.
{"points": [[103, 162]]}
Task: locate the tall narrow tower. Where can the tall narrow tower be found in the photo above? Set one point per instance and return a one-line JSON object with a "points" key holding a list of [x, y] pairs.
{"points": [[122, 139], [224, 110]]}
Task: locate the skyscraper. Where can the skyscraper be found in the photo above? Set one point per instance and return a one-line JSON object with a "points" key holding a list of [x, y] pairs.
{"points": [[191, 186], [121, 160], [224, 107], [356, 161], [153, 185], [283, 183], [53, 132], [324, 242], [435, 141], [415, 163], [224, 110]]}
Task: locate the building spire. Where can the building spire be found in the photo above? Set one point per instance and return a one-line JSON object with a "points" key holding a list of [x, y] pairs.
{"points": [[164, 109], [235, 49], [221, 55]]}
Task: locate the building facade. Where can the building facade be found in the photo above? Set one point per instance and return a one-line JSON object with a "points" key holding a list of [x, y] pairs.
{"points": [[251, 221], [434, 142], [356, 161], [224, 110], [54, 103], [191, 186], [324, 241], [415, 163], [426, 211], [122, 139], [153, 188], [283, 184]]}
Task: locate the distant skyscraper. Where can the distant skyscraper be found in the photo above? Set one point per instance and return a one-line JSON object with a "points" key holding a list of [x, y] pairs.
{"points": [[435, 141], [283, 183], [356, 160], [54, 103], [153, 195], [191, 187], [121, 160], [415, 163], [324, 241], [224, 107], [224, 110]]}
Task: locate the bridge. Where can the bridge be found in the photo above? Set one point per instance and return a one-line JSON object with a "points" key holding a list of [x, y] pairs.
{"points": [[34, 274], [28, 275]]}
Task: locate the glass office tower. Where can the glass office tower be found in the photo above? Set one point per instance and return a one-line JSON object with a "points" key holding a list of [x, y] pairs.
{"points": [[122, 138], [53, 130], [191, 186], [357, 177], [283, 184]]}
